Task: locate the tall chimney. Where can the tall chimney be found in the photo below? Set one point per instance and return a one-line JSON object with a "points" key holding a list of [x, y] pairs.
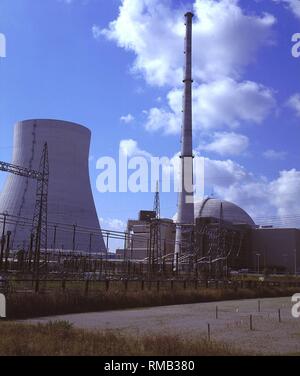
{"points": [[185, 210]]}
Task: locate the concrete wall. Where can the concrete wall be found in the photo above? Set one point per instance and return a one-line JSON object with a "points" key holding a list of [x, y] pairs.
{"points": [[276, 247], [70, 199]]}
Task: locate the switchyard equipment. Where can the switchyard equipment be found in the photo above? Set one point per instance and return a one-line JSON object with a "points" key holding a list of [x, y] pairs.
{"points": [[39, 223], [155, 232]]}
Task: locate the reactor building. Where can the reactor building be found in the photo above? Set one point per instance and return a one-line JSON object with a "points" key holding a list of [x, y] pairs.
{"points": [[225, 236], [72, 219], [225, 233]]}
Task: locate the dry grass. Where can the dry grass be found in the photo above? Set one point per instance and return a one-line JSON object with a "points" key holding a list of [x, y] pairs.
{"points": [[21, 306], [61, 339]]}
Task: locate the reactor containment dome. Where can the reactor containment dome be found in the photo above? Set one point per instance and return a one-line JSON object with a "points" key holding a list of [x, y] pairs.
{"points": [[72, 219], [229, 212]]}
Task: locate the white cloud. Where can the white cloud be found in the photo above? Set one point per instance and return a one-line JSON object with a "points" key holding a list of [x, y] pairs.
{"points": [[96, 30], [273, 202], [227, 143], [163, 119], [229, 102], [127, 119], [231, 181], [226, 40], [285, 192], [154, 31], [113, 224], [225, 173], [130, 148], [218, 104], [294, 103], [274, 155], [293, 5], [267, 201]]}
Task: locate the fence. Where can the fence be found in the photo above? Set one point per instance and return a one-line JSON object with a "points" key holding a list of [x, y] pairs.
{"points": [[99, 286]]}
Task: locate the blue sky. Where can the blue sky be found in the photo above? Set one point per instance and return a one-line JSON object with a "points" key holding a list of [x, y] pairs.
{"points": [[65, 60]]}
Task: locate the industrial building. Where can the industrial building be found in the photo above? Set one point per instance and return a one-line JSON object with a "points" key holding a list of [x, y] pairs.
{"points": [[223, 234], [226, 234], [225, 238], [276, 249], [71, 216], [138, 244]]}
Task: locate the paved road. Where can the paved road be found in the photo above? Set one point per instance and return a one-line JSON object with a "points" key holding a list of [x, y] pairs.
{"points": [[232, 326]]}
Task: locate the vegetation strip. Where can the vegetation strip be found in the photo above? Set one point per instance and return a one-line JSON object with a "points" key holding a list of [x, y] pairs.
{"points": [[59, 338], [23, 306]]}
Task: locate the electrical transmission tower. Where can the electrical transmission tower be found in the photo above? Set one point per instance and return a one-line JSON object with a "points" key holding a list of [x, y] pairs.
{"points": [[156, 205], [39, 225], [155, 230]]}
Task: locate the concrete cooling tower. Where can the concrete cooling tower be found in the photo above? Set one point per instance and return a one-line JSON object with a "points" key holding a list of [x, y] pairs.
{"points": [[72, 218]]}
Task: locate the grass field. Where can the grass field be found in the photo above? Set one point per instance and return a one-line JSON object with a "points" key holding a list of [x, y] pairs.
{"points": [[22, 306], [61, 339]]}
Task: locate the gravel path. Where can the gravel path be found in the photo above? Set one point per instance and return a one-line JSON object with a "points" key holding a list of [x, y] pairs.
{"points": [[269, 336]]}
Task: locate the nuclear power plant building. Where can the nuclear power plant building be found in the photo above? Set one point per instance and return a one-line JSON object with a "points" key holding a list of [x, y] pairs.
{"points": [[138, 245], [223, 228]]}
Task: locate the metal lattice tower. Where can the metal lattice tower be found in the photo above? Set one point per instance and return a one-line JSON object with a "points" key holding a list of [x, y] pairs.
{"points": [[155, 230], [21, 171], [39, 226], [156, 206]]}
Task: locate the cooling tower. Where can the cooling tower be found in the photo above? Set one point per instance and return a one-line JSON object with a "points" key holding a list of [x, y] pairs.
{"points": [[72, 219]]}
